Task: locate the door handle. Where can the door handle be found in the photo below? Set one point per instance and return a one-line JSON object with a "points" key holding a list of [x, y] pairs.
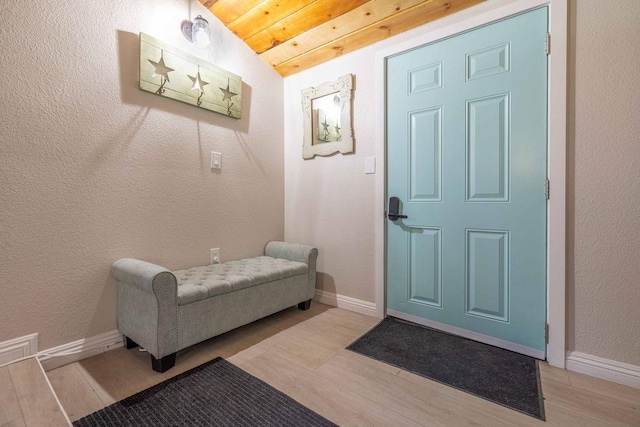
{"points": [[394, 208]]}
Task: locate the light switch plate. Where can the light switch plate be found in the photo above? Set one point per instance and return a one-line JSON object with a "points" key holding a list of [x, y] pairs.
{"points": [[369, 165], [216, 160]]}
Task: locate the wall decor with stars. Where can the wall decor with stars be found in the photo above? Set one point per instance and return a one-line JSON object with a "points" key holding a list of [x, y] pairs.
{"points": [[172, 73]]}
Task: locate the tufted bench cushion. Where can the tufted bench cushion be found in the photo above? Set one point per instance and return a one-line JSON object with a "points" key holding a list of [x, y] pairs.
{"points": [[199, 283]]}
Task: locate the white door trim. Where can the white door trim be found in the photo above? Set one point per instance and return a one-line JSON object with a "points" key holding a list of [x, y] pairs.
{"points": [[482, 14]]}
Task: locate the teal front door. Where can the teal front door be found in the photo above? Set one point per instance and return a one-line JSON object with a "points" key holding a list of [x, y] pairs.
{"points": [[467, 162]]}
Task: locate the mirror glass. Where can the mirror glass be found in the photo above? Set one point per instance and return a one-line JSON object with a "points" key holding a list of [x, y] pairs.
{"points": [[326, 112]]}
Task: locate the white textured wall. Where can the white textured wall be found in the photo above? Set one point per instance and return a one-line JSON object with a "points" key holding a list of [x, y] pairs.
{"points": [[93, 169], [329, 201], [604, 179]]}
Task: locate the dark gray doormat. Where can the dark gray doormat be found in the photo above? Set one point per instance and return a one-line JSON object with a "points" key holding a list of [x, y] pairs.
{"points": [[501, 376], [216, 393]]}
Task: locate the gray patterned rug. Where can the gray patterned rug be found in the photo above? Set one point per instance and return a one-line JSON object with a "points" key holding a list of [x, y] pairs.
{"points": [[216, 393], [501, 376]]}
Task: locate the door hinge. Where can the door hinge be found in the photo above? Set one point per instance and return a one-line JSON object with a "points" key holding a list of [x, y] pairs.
{"points": [[546, 189], [546, 333], [547, 44]]}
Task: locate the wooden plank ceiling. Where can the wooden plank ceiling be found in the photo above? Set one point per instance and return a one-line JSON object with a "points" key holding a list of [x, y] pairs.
{"points": [[294, 35]]}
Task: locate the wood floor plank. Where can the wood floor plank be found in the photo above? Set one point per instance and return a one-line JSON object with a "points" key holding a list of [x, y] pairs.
{"points": [[120, 373], [37, 402], [375, 364], [513, 417], [293, 316], [562, 417], [552, 373], [288, 318], [9, 406], [324, 331], [330, 400], [598, 406], [240, 339], [246, 355], [15, 423], [421, 404], [297, 350], [97, 388], [606, 388], [75, 393], [332, 319]]}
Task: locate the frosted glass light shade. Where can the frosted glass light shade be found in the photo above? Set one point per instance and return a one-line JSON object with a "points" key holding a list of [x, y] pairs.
{"points": [[200, 32]]}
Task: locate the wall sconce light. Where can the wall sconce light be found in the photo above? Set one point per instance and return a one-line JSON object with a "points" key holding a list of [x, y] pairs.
{"points": [[197, 32]]}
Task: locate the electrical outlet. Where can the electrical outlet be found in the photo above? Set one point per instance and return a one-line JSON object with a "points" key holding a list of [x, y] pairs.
{"points": [[214, 256]]}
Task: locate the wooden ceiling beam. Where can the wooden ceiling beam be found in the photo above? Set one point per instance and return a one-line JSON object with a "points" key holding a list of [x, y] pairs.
{"points": [[265, 15], [400, 22], [316, 13], [228, 11], [363, 16]]}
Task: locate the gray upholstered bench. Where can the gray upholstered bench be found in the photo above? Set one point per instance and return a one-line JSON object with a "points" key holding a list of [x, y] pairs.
{"points": [[166, 311]]}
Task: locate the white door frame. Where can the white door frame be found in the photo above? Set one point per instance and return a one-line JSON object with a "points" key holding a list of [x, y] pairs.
{"points": [[482, 14]]}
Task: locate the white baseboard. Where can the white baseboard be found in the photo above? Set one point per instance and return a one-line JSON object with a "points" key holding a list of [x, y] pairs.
{"points": [[363, 307], [610, 370], [18, 348], [81, 349]]}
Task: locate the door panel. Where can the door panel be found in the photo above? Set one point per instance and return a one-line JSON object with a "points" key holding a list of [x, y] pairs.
{"points": [[488, 149], [425, 275], [426, 146], [425, 78], [487, 62], [466, 155], [488, 274]]}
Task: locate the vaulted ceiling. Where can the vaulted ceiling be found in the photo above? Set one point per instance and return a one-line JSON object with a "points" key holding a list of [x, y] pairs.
{"points": [[294, 35]]}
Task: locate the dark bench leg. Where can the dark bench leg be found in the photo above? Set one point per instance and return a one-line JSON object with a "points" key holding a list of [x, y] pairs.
{"points": [[130, 343], [305, 305], [158, 365], [164, 364]]}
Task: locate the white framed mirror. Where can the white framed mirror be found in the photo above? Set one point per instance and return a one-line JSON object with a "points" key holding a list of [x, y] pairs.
{"points": [[327, 118]]}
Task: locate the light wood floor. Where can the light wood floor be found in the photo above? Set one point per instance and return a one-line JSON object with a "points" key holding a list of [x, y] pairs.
{"points": [[26, 399], [303, 355]]}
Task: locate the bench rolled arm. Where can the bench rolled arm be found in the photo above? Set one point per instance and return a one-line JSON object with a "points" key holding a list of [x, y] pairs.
{"points": [[142, 274], [299, 253], [147, 306], [292, 252]]}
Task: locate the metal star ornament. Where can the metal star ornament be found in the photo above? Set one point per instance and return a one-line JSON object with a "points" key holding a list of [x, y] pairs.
{"points": [[161, 70], [198, 83]]}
